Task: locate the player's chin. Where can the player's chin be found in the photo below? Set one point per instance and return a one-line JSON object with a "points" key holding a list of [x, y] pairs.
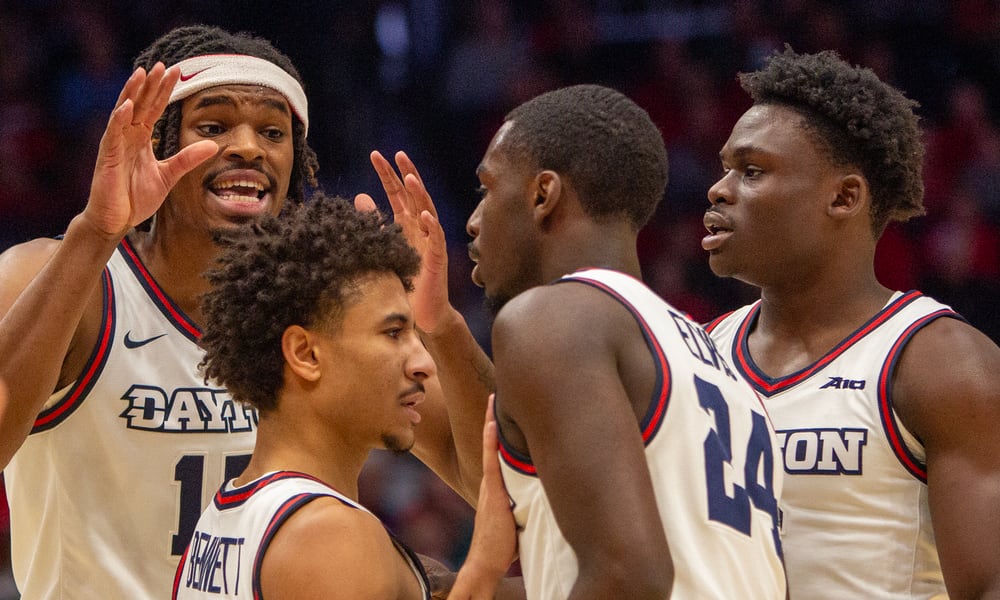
{"points": [[399, 442], [720, 264]]}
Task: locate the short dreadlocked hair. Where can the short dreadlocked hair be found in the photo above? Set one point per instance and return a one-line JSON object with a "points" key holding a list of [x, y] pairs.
{"points": [[602, 141], [298, 268], [197, 40], [858, 119]]}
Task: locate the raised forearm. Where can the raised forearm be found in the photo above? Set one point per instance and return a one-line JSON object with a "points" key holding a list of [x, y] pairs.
{"points": [[466, 376]]}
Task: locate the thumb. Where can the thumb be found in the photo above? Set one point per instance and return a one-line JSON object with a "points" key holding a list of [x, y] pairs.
{"points": [[189, 157], [364, 203], [491, 463]]}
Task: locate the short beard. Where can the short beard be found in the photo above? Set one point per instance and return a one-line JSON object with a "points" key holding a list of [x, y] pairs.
{"points": [[493, 304], [226, 236], [395, 444]]}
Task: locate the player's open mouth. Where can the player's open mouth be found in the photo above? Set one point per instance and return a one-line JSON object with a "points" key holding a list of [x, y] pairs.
{"points": [[474, 256], [240, 190], [718, 230], [410, 402], [715, 222]]}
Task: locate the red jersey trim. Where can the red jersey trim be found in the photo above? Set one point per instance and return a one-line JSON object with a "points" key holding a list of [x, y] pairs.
{"points": [[893, 433], [167, 306], [768, 386], [75, 396], [225, 500], [715, 322]]}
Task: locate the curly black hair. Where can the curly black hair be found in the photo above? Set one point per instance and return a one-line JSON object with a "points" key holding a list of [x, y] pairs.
{"points": [[858, 119], [294, 269], [196, 40], [602, 141]]}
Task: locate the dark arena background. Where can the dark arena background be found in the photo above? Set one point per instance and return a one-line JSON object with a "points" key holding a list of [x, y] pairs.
{"points": [[435, 77]]}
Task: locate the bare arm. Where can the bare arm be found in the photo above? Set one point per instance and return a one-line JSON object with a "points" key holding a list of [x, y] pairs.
{"points": [[449, 438], [557, 350], [443, 583], [47, 287], [954, 408], [466, 376]]}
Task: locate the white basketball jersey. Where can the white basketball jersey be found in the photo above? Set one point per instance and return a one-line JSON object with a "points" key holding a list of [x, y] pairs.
{"points": [[106, 491], [856, 518], [232, 535], [712, 455]]}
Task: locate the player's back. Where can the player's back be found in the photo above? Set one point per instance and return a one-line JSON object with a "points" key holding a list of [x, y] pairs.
{"points": [[712, 456]]}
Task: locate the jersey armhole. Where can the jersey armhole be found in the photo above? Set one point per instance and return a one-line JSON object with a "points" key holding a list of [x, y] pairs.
{"points": [[64, 402]]}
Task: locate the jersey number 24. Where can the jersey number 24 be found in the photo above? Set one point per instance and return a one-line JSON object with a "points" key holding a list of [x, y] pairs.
{"points": [[734, 510]]}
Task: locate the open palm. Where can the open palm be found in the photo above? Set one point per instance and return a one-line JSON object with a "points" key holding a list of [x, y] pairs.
{"points": [[129, 183], [414, 211]]}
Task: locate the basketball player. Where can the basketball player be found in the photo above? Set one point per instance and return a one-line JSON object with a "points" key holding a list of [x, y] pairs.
{"points": [[123, 441], [308, 322], [638, 464], [885, 402]]}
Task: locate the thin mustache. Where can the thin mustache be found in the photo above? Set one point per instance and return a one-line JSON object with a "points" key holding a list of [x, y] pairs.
{"points": [[415, 389], [241, 165]]}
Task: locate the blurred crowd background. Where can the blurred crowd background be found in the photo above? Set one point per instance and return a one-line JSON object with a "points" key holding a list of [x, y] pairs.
{"points": [[435, 77]]}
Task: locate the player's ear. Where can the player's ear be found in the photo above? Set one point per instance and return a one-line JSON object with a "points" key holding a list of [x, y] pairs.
{"points": [[852, 197], [298, 345], [548, 189]]}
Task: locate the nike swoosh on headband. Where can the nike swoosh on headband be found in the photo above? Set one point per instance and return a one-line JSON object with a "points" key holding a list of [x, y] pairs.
{"points": [[191, 75], [209, 70]]}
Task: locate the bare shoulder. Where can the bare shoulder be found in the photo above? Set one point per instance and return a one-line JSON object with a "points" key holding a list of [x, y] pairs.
{"points": [[39, 248], [555, 349], [18, 266], [559, 317], [946, 381], [566, 329], [328, 549]]}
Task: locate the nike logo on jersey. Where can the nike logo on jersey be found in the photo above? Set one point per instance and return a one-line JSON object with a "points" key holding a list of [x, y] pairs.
{"points": [[133, 344], [190, 75]]}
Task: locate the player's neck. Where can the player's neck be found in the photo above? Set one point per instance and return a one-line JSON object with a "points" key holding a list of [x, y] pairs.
{"points": [[801, 305], [280, 448], [178, 266], [793, 331], [593, 248]]}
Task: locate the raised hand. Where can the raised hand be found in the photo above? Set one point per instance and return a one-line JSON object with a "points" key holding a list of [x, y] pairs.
{"points": [[494, 537], [414, 211], [129, 183]]}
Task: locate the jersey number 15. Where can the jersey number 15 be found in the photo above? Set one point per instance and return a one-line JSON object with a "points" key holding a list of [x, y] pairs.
{"points": [[190, 472]]}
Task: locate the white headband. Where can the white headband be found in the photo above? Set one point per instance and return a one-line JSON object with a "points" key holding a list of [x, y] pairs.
{"points": [[201, 72]]}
